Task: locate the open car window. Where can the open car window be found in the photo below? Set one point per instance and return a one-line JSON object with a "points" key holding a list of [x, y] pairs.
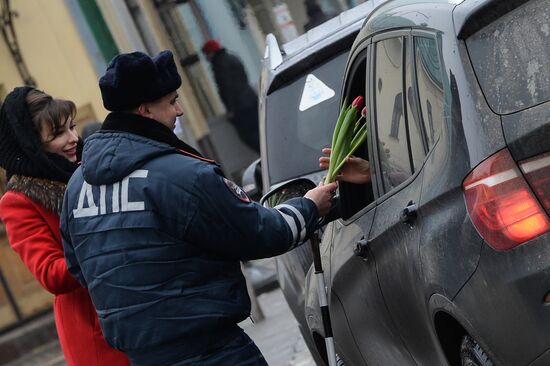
{"points": [[354, 197]]}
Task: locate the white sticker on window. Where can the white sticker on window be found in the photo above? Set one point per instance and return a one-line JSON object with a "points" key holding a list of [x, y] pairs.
{"points": [[315, 92]]}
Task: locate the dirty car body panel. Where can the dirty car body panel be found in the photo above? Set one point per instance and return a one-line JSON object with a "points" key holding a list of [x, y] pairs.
{"points": [[410, 272]]}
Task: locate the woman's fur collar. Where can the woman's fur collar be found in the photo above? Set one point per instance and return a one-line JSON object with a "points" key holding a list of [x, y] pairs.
{"points": [[45, 192]]}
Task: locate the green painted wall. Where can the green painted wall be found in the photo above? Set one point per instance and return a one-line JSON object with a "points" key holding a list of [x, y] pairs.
{"points": [[99, 29]]}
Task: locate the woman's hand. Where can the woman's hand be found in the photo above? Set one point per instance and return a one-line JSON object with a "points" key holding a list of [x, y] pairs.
{"points": [[355, 170]]}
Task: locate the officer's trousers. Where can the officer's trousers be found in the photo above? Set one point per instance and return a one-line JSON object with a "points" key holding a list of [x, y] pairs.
{"points": [[239, 351]]}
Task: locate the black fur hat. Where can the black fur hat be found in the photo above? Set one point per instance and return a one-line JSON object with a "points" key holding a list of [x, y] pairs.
{"points": [[135, 78], [21, 150]]}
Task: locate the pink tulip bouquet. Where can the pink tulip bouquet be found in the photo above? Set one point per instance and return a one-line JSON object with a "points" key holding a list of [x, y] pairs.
{"points": [[349, 133]]}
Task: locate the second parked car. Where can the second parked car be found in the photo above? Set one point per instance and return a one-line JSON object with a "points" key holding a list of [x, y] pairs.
{"points": [[299, 98]]}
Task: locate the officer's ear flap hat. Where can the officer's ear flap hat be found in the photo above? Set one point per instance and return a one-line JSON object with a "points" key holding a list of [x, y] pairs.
{"points": [[135, 78]]}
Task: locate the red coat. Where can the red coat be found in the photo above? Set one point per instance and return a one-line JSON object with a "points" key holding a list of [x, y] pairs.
{"points": [[33, 233]]}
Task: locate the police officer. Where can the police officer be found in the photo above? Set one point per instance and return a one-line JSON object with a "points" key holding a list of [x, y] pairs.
{"points": [[156, 232]]}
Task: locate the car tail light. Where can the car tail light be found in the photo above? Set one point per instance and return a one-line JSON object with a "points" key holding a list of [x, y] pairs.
{"points": [[501, 204], [537, 173]]}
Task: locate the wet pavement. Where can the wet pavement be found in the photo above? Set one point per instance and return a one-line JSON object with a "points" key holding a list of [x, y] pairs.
{"points": [[277, 336]]}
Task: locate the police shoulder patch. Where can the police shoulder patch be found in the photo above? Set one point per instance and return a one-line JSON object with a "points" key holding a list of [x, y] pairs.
{"points": [[236, 190]]}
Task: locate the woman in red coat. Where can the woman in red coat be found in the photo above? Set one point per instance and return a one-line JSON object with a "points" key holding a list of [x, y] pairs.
{"points": [[38, 149]]}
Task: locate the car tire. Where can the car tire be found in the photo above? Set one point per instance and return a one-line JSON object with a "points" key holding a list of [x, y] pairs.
{"points": [[472, 354]]}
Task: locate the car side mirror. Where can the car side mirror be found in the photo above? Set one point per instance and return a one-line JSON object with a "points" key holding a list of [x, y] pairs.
{"points": [[252, 180], [291, 189]]}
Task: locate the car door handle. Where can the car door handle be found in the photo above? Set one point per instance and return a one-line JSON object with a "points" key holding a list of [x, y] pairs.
{"points": [[361, 248], [409, 213]]}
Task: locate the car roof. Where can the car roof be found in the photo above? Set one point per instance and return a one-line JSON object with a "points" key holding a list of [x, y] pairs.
{"points": [[397, 14], [314, 46], [342, 23], [468, 15]]}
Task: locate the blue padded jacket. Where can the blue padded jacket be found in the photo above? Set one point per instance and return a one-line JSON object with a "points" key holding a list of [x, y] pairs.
{"points": [[156, 236]]}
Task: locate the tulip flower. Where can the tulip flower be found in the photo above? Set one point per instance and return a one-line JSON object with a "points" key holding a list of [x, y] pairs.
{"points": [[349, 133]]}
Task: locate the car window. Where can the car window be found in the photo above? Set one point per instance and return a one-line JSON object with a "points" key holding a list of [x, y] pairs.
{"points": [[389, 113], [511, 58], [296, 127], [354, 197], [430, 87], [416, 139]]}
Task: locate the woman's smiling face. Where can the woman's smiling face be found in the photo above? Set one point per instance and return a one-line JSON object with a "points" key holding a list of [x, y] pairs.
{"points": [[62, 141]]}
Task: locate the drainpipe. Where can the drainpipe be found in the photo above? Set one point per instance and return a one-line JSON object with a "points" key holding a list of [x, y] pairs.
{"points": [[159, 30], [10, 38], [262, 11]]}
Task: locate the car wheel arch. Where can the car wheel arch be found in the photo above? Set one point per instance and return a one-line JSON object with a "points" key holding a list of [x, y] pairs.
{"points": [[450, 326]]}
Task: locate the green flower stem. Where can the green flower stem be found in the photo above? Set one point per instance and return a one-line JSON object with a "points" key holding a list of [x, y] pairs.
{"points": [[339, 121], [343, 132], [357, 141], [336, 135], [349, 134]]}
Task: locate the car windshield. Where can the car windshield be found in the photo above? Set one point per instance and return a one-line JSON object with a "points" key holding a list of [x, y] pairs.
{"points": [[300, 117], [510, 58]]}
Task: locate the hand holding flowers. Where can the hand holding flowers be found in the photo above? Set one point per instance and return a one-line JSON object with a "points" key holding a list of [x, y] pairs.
{"points": [[355, 170], [349, 133]]}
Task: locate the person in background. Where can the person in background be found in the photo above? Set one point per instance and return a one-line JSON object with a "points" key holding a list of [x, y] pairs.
{"points": [[89, 129], [315, 14], [39, 149], [238, 97], [157, 233]]}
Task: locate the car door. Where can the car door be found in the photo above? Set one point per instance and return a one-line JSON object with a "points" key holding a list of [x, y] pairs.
{"points": [[401, 149], [362, 327]]}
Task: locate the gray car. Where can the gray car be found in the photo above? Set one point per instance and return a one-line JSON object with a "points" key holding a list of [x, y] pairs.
{"points": [[442, 259], [299, 99]]}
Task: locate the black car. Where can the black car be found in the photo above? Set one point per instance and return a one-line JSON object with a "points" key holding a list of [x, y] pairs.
{"points": [[443, 259], [299, 98]]}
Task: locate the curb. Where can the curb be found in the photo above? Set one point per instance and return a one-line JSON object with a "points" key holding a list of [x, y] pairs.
{"points": [[20, 341]]}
